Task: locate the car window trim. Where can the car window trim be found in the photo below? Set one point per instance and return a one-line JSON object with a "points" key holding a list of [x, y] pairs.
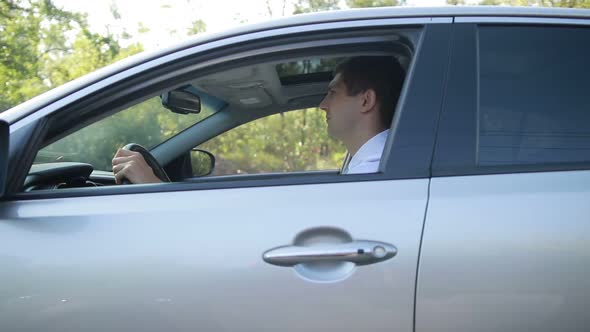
{"points": [[249, 181], [409, 152], [522, 20]]}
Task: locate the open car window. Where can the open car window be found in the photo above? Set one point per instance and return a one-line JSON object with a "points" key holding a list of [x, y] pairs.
{"points": [[148, 123], [260, 116], [295, 141]]}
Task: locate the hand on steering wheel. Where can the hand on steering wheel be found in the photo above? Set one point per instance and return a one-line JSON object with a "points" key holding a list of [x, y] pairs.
{"points": [[135, 164]]}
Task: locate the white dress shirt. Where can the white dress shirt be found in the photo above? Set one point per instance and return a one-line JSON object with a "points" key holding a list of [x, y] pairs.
{"points": [[367, 158]]}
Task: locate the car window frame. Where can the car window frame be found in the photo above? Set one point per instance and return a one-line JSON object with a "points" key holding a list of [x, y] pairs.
{"points": [[426, 75], [457, 139]]}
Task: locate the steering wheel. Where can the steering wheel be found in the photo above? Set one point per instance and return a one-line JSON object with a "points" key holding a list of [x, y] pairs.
{"points": [[149, 159]]}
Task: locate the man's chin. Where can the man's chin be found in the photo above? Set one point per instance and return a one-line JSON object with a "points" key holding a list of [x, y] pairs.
{"points": [[332, 134]]}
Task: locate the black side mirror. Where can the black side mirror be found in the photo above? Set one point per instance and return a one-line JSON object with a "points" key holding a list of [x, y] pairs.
{"points": [[4, 136], [202, 162], [181, 101]]}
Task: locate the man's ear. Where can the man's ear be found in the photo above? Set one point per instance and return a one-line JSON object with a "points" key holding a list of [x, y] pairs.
{"points": [[368, 101]]}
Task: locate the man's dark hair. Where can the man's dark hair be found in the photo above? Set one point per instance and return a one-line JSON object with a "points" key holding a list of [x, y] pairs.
{"points": [[382, 74]]}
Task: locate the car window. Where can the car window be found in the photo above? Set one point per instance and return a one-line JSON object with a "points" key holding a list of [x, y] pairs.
{"points": [[533, 95], [269, 123], [148, 123], [285, 142]]}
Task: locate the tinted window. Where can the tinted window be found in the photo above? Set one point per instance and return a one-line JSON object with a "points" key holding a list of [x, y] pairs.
{"points": [[534, 95]]}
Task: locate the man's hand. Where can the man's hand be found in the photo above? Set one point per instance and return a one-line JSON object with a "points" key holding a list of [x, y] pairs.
{"points": [[131, 165]]}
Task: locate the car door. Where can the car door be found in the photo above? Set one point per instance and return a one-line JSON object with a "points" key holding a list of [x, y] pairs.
{"points": [[506, 237], [237, 255]]}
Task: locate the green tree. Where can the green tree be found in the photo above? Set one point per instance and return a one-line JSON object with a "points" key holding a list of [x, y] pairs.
{"points": [[271, 12], [310, 6], [285, 142], [147, 123], [197, 27], [374, 3], [29, 32], [142, 28], [115, 10], [36, 54]]}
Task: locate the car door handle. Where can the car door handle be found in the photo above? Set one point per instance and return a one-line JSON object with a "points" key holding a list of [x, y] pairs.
{"points": [[359, 252]]}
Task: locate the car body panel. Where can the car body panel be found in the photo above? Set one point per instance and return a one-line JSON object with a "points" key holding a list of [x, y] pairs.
{"points": [[193, 260], [506, 252]]}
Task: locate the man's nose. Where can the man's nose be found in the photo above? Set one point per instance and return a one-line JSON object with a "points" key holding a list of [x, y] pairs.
{"points": [[324, 104]]}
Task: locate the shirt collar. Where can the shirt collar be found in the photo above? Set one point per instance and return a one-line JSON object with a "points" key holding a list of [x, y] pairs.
{"points": [[371, 150]]}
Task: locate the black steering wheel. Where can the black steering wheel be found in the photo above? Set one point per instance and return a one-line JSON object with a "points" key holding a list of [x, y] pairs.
{"points": [[149, 159]]}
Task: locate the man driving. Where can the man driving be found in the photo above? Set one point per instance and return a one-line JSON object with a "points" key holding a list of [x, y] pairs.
{"points": [[359, 108]]}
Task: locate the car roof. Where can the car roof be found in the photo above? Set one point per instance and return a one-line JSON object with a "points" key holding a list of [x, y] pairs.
{"points": [[46, 98]]}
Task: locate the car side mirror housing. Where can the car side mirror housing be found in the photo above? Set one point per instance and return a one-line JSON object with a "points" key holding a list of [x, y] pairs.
{"points": [[182, 101], [202, 162], [4, 136]]}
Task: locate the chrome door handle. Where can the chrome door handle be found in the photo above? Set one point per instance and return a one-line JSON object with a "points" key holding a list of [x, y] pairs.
{"points": [[359, 252]]}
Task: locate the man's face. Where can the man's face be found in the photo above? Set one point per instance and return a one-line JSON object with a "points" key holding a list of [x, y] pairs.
{"points": [[342, 110]]}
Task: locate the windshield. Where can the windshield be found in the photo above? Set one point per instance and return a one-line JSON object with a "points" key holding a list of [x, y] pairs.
{"points": [[147, 124]]}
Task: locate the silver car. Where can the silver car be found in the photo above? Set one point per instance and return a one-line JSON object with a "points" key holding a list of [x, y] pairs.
{"points": [[478, 219]]}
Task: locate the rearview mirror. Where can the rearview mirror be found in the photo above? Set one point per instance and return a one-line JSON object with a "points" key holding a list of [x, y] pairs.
{"points": [[202, 162], [181, 101], [4, 136]]}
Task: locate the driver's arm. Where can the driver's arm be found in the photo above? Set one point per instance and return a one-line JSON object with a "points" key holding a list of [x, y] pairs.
{"points": [[131, 165]]}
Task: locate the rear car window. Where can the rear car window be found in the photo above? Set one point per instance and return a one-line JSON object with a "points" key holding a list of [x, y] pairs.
{"points": [[534, 88]]}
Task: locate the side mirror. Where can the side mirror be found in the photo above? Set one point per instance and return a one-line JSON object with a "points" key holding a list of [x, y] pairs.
{"points": [[202, 162], [181, 101], [4, 136]]}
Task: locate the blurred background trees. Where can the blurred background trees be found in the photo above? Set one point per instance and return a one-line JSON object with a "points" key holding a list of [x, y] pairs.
{"points": [[42, 47]]}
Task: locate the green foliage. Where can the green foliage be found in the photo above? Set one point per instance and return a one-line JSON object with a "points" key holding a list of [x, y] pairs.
{"points": [[201, 163], [28, 32], [115, 10], [97, 143], [373, 3], [310, 6], [142, 28], [197, 26], [147, 123], [287, 142], [37, 55]]}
